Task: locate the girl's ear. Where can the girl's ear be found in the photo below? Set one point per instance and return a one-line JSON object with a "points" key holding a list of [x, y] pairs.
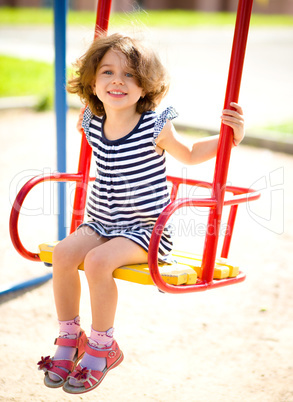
{"points": [[93, 85]]}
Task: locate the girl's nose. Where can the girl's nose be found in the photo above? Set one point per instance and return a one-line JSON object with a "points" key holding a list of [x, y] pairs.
{"points": [[118, 79]]}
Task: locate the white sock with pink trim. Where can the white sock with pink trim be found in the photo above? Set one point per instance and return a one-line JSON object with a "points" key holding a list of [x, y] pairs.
{"points": [[97, 340], [70, 330]]}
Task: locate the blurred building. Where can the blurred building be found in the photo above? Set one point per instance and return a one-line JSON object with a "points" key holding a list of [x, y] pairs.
{"points": [[260, 6]]}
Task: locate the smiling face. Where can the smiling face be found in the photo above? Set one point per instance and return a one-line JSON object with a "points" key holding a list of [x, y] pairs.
{"points": [[114, 84]]}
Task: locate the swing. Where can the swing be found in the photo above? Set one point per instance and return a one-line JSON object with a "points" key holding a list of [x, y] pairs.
{"points": [[190, 272]]}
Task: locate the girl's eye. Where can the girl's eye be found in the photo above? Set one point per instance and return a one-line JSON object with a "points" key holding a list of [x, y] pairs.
{"points": [[107, 72], [129, 75]]}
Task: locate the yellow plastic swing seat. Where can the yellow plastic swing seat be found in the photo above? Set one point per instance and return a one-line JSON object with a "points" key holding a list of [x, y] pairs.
{"points": [[184, 271]]}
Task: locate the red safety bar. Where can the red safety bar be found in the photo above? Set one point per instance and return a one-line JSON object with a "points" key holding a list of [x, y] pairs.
{"points": [[218, 187]]}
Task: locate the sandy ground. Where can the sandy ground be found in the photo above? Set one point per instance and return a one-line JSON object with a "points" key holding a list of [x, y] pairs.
{"points": [[226, 345]]}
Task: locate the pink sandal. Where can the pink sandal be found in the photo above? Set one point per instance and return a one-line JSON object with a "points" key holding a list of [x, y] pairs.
{"points": [[92, 378], [62, 368]]}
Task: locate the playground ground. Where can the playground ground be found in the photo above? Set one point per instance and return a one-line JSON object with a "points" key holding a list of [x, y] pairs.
{"points": [[227, 345]]}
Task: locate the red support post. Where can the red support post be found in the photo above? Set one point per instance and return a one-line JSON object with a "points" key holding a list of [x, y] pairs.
{"points": [[103, 16], [102, 21], [226, 137]]}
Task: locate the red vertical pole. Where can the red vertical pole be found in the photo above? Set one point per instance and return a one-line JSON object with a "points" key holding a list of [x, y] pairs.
{"points": [[102, 21], [229, 231], [226, 137], [103, 16]]}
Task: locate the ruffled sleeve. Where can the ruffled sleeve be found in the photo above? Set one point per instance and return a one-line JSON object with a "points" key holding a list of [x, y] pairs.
{"points": [[87, 117], [168, 114]]}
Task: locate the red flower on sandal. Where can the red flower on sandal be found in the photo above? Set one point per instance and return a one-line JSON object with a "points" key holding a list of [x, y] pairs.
{"points": [[81, 374], [45, 363]]}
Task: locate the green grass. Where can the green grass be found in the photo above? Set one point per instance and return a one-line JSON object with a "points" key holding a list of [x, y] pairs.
{"points": [[158, 18], [285, 127], [189, 18], [27, 77]]}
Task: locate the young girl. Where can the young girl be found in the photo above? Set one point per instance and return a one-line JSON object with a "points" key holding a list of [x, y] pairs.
{"points": [[122, 83]]}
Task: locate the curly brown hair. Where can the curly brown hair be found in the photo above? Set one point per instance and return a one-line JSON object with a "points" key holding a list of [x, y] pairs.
{"points": [[142, 63]]}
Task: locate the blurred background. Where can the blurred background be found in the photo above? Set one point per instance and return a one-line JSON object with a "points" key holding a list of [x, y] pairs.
{"points": [[260, 6]]}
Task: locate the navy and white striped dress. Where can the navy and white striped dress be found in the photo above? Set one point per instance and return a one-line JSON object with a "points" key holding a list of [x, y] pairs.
{"points": [[130, 190]]}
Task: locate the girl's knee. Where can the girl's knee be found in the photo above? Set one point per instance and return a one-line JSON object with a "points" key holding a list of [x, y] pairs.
{"points": [[96, 265], [58, 252], [63, 255]]}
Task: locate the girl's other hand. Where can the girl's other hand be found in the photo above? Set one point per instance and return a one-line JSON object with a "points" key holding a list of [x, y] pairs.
{"points": [[79, 121], [235, 120]]}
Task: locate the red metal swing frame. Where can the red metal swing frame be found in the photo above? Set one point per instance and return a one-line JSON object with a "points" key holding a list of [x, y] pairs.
{"points": [[218, 187]]}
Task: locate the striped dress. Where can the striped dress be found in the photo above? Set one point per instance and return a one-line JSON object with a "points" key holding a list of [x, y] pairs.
{"points": [[130, 190]]}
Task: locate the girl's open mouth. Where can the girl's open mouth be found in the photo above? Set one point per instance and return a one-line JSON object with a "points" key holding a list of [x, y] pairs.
{"points": [[117, 94]]}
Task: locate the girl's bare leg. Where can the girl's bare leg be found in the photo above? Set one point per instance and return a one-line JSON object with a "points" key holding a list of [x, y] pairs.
{"points": [[99, 264], [67, 256]]}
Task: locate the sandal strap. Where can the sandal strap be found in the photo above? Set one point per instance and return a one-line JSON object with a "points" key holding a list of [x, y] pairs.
{"points": [[58, 365], [91, 377], [73, 343], [66, 364], [94, 378], [111, 354]]}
